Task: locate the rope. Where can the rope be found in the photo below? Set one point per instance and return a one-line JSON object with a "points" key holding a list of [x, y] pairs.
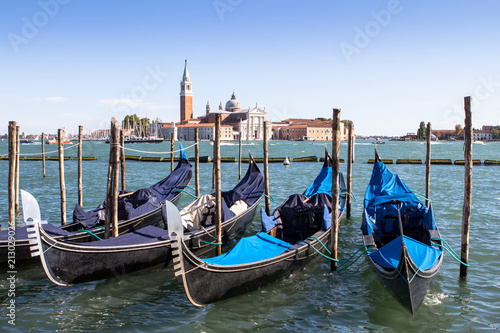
{"points": [[270, 197], [184, 186], [346, 262], [448, 248], [327, 257], [352, 196], [320, 243], [90, 232], [50, 152], [192, 195], [418, 194], [158, 152], [210, 243]]}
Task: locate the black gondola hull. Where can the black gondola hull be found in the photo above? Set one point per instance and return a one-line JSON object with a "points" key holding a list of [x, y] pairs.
{"points": [[408, 284], [22, 247], [206, 284], [70, 263], [23, 253]]}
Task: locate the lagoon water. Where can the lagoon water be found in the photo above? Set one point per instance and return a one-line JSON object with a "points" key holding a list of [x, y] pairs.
{"points": [[314, 299]]}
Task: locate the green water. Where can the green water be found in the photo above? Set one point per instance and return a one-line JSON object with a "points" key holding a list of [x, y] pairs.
{"points": [[312, 300]]}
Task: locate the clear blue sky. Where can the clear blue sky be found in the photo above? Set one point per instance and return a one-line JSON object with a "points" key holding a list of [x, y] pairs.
{"points": [[387, 64]]}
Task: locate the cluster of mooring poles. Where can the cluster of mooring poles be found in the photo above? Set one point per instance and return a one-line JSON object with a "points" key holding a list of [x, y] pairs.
{"points": [[117, 163]]}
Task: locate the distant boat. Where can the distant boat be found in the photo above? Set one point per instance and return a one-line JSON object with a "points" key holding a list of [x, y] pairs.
{"points": [[55, 142], [452, 139], [134, 139], [26, 141], [479, 142], [378, 142]]}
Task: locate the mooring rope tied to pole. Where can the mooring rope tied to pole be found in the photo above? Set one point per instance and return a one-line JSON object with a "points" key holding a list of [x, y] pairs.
{"points": [[157, 152], [50, 152]]}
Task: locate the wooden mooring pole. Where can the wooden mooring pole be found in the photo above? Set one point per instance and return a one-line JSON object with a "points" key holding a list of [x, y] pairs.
{"points": [[172, 152], [18, 148], [239, 154], [80, 166], [12, 171], [266, 171], [196, 163], [122, 157], [428, 167], [466, 210], [116, 174], [217, 175], [335, 185], [353, 152], [43, 154], [349, 171], [61, 176], [111, 223]]}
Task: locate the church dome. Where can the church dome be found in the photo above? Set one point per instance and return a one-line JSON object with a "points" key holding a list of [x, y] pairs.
{"points": [[233, 104]]}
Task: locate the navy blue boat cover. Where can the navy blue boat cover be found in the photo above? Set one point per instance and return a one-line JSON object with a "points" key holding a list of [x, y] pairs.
{"points": [[384, 196], [22, 232], [149, 234], [249, 189], [141, 201], [422, 255]]}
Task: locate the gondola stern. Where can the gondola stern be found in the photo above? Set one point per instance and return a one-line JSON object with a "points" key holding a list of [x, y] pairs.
{"points": [[176, 234], [328, 159], [377, 157], [35, 232]]}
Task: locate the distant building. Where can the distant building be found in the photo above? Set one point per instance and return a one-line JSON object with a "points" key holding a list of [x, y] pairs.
{"points": [[165, 130], [185, 132], [481, 135], [307, 129], [489, 127], [446, 134], [186, 96], [249, 123]]}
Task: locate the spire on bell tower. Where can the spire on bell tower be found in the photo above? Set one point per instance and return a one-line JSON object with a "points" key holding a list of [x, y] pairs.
{"points": [[185, 77], [186, 95]]}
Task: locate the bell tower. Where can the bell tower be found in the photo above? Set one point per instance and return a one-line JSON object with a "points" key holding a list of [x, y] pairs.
{"points": [[186, 96]]}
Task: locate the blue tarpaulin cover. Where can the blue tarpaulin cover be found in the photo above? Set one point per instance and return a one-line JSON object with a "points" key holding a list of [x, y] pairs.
{"points": [[322, 183], [251, 249], [384, 194], [424, 256]]}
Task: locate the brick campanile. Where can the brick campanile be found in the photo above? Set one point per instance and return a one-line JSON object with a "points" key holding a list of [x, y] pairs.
{"points": [[186, 96]]}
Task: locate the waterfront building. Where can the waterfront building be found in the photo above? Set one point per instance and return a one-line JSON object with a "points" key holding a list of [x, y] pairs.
{"points": [[307, 130], [249, 123], [185, 132], [481, 135]]}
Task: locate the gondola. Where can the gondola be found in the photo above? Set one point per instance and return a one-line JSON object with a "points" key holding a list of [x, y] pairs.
{"points": [[67, 263], [398, 231], [136, 210], [291, 238]]}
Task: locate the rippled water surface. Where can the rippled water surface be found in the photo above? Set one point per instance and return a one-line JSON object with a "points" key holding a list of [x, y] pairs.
{"points": [[313, 299]]}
